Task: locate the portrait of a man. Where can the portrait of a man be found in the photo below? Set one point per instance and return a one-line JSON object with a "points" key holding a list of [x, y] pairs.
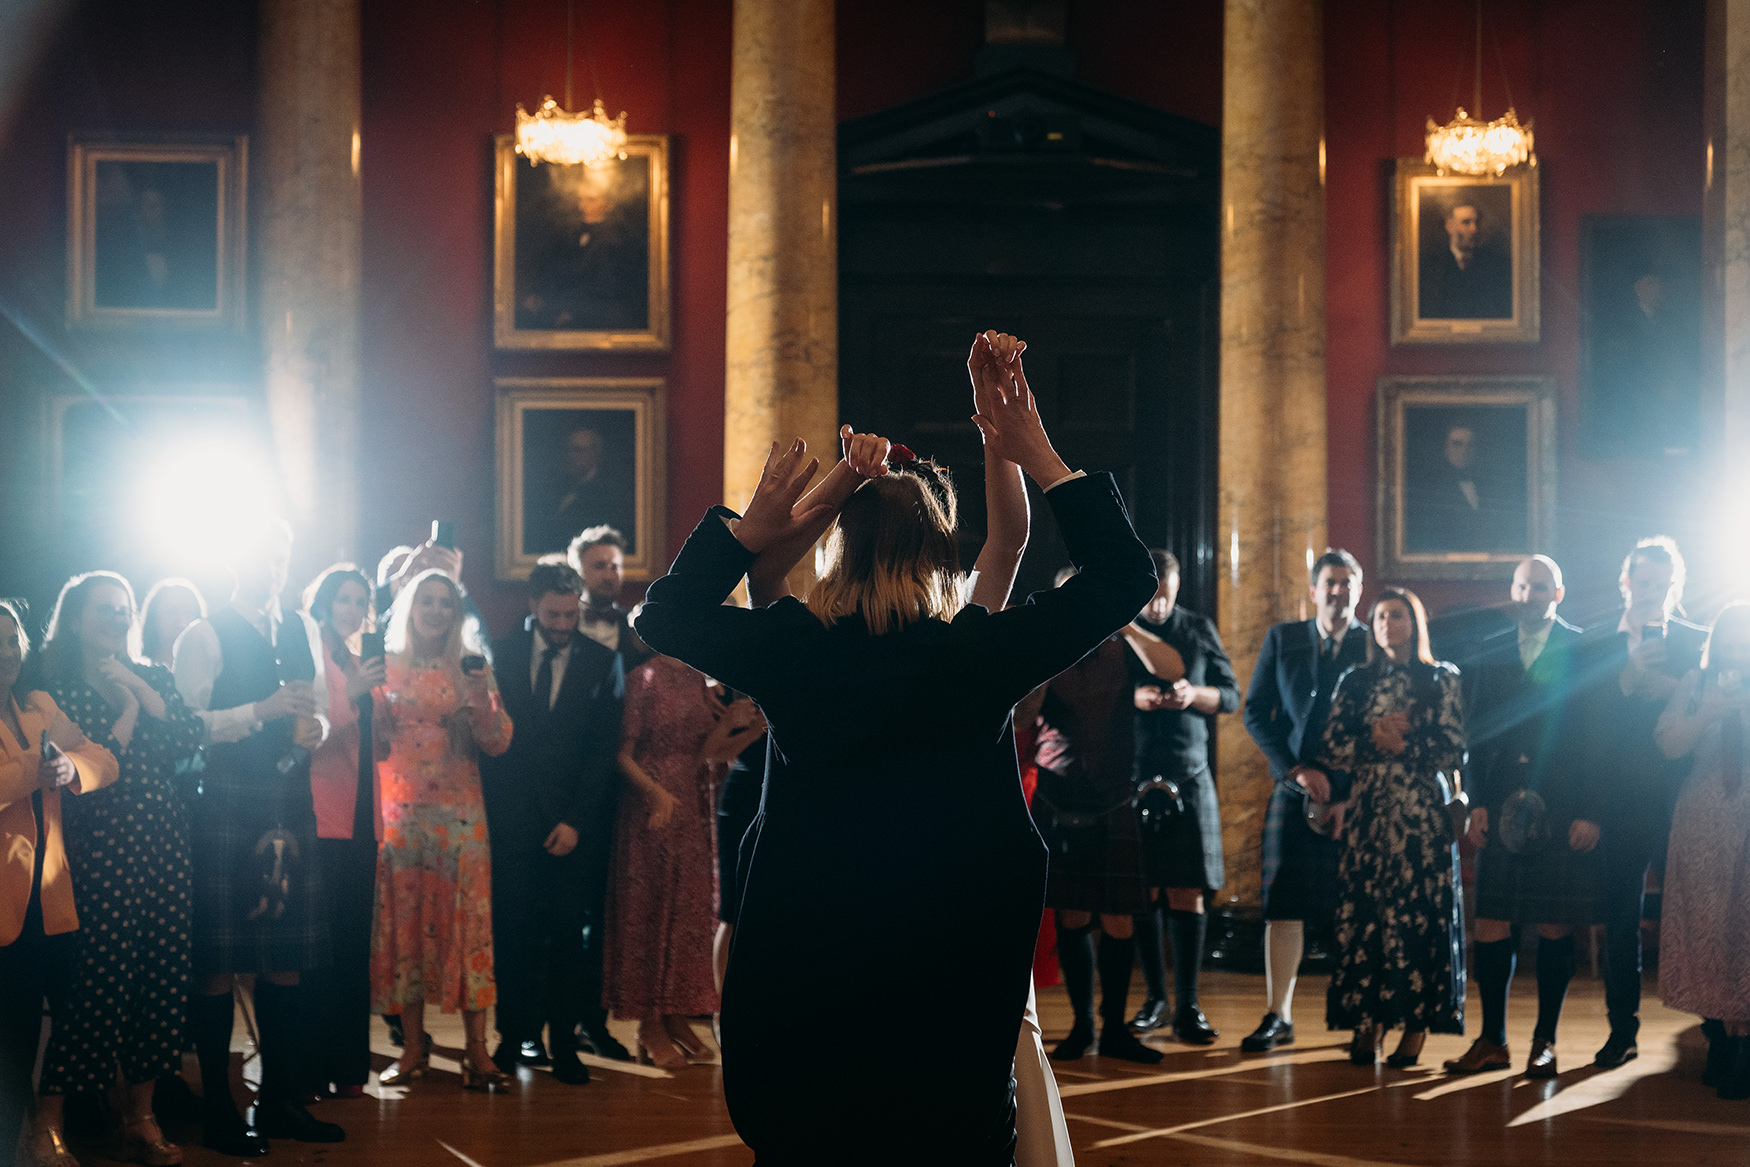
{"points": [[1466, 472], [1466, 270], [157, 235], [579, 471]]}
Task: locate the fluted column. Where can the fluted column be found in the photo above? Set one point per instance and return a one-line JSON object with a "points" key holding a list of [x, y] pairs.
{"points": [[781, 372], [306, 161], [1272, 478]]}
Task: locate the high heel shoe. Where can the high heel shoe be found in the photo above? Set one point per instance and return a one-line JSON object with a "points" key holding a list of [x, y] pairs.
{"points": [[481, 1073], [692, 1047], [141, 1141], [50, 1149], [395, 1075], [655, 1048], [1409, 1050]]}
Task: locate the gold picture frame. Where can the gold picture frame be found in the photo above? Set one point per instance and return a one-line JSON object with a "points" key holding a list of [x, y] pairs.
{"points": [[580, 254], [155, 233], [575, 452], [1494, 297], [1467, 474]]}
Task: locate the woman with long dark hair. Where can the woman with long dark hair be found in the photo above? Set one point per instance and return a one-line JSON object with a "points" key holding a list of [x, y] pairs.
{"points": [[1396, 734], [348, 828], [170, 606], [127, 847], [898, 810]]}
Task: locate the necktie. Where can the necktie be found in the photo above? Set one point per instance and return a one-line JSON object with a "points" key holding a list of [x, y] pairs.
{"points": [[544, 680], [1330, 650]]}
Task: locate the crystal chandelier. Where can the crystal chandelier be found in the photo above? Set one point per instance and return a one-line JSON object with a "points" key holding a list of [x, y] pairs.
{"points": [[554, 134], [1468, 145]]}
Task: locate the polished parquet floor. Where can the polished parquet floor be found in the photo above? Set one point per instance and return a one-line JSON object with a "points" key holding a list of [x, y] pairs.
{"points": [[1211, 1106]]}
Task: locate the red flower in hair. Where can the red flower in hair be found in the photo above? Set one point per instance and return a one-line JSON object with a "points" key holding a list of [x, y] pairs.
{"points": [[900, 457]]}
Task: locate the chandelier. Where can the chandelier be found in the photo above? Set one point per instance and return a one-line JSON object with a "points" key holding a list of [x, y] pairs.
{"points": [[1469, 145], [554, 134]]}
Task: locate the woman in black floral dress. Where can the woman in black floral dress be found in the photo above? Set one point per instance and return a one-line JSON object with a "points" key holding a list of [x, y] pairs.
{"points": [[127, 850], [1395, 735]]}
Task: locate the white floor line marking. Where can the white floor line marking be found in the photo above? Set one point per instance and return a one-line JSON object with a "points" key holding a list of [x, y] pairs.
{"points": [[1076, 1089], [1293, 1155], [623, 1067], [1162, 1132], [459, 1155], [1666, 1124], [649, 1154], [1603, 1086]]}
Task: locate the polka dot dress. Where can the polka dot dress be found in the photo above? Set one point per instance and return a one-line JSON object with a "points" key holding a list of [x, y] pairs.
{"points": [[127, 849]]}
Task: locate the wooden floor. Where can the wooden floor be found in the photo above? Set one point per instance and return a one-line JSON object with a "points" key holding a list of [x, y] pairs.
{"points": [[1211, 1106]]}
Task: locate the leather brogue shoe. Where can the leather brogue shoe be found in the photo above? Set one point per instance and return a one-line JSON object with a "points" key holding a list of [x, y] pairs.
{"points": [[1542, 1063], [1192, 1027], [1271, 1032], [1151, 1016], [1618, 1051], [1482, 1056]]}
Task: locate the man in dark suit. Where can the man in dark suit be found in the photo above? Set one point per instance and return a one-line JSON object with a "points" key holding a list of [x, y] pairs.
{"points": [[1286, 707], [550, 802], [1466, 279], [599, 556], [1525, 735], [1651, 651]]}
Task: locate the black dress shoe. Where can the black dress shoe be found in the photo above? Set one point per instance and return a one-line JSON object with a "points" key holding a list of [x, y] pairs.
{"points": [[1192, 1027], [603, 1045], [1271, 1032], [1152, 1015], [1618, 1051], [1116, 1041], [568, 1069], [533, 1053], [231, 1136], [289, 1120], [1080, 1039], [505, 1057]]}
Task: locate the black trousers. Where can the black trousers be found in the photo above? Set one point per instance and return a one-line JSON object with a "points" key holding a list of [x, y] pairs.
{"points": [[538, 918], [32, 967], [338, 995], [1628, 850]]}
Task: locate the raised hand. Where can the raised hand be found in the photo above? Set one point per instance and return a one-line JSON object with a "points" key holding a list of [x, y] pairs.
{"points": [[1009, 420], [991, 365], [865, 454], [770, 515]]}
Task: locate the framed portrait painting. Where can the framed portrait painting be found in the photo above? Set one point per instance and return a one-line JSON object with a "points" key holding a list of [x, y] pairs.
{"points": [[1640, 335], [1464, 257], [155, 233], [580, 253], [575, 453], [1466, 474]]}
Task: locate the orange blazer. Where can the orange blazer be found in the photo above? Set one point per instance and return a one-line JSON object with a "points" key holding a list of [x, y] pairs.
{"points": [[96, 768]]}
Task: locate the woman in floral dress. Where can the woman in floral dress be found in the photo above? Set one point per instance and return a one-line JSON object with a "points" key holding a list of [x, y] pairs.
{"points": [[675, 736], [1397, 726], [127, 849], [432, 928]]}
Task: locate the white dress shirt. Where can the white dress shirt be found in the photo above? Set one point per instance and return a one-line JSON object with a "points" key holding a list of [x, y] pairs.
{"points": [[198, 661]]}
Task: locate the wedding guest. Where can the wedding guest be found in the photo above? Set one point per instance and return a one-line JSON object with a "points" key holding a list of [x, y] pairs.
{"points": [[170, 606]]}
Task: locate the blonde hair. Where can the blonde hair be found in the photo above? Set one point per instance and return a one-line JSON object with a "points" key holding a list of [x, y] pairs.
{"points": [[398, 636], [892, 555]]}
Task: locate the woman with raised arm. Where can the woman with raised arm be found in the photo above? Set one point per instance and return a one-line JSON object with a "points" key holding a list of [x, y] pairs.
{"points": [[897, 809]]}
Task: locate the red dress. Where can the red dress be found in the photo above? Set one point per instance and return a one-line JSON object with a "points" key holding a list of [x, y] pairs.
{"points": [[659, 914]]}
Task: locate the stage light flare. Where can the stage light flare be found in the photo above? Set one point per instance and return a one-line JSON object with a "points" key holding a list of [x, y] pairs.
{"points": [[195, 497]]}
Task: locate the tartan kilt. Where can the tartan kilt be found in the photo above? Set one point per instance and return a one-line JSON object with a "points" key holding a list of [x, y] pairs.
{"points": [[1096, 858], [1300, 867], [226, 821], [1187, 851], [1555, 885]]}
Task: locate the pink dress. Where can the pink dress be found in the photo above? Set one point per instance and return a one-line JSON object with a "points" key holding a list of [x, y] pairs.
{"points": [[431, 935], [660, 918]]}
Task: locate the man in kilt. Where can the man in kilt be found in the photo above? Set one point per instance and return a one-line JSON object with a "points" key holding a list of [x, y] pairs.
{"points": [[1535, 812], [250, 671], [1287, 705]]}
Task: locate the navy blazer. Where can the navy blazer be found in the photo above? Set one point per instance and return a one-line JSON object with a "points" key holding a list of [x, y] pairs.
{"points": [[1286, 706], [561, 765]]}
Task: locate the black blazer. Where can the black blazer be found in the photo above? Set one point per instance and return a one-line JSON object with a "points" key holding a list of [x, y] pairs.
{"points": [[896, 810], [1639, 783], [1527, 727], [1290, 694], [560, 767], [1176, 741]]}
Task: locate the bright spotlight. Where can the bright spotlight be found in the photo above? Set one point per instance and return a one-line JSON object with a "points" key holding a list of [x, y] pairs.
{"points": [[199, 494]]}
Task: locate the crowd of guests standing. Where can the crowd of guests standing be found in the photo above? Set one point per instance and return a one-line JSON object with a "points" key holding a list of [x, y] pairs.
{"points": [[356, 808]]}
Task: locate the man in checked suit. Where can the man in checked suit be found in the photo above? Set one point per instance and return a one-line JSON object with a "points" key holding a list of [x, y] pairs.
{"points": [[550, 803], [1286, 708]]}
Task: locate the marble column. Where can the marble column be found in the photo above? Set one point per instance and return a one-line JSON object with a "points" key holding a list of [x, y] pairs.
{"points": [[306, 162], [1272, 476], [1726, 251], [781, 371]]}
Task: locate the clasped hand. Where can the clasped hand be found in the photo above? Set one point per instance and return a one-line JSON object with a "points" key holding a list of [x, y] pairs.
{"points": [[1389, 732]]}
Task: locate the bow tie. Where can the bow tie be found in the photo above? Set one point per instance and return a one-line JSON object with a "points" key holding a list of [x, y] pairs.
{"points": [[607, 615]]}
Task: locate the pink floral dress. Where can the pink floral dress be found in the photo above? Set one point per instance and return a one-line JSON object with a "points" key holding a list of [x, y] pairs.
{"points": [[431, 935], [660, 917]]}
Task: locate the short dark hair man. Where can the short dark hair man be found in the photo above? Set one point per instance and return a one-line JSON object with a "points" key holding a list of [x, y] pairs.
{"points": [[1526, 734], [550, 803], [1286, 708], [1652, 650], [598, 554], [1467, 279]]}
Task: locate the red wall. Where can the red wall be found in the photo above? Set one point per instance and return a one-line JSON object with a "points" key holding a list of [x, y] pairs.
{"points": [[1615, 88]]}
